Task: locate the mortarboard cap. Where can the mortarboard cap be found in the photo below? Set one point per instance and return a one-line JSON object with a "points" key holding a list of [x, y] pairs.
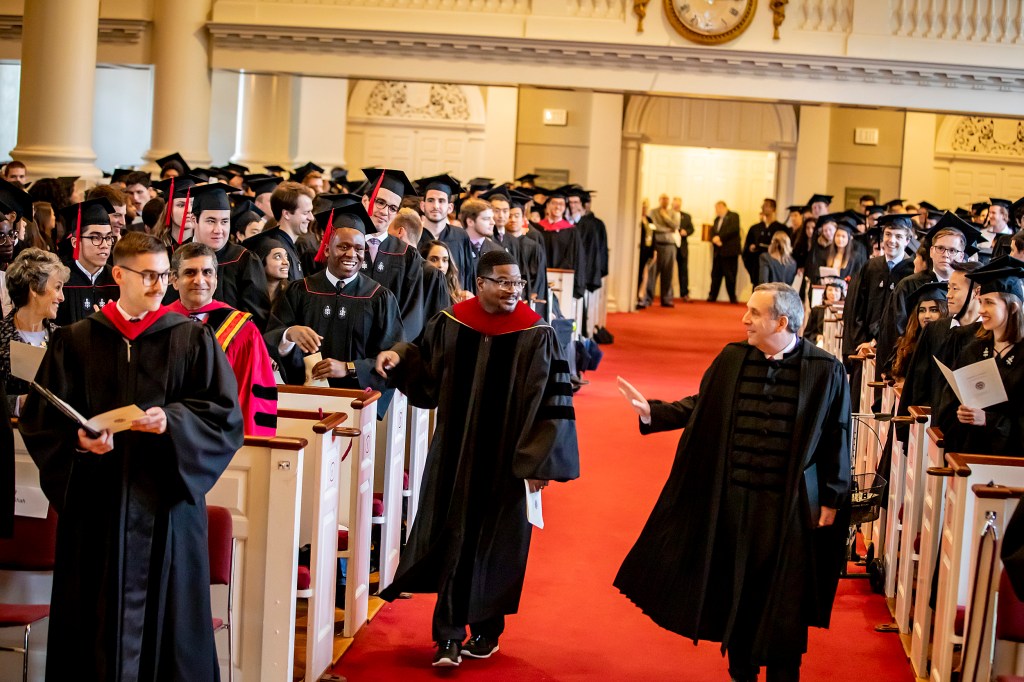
{"points": [[15, 199], [896, 220], [963, 213], [118, 174], [276, 169], [179, 186], [353, 216], [796, 209], [173, 158], [262, 184], [815, 198], [527, 177], [212, 197], [68, 182], [971, 234], [932, 291], [338, 174], [928, 206], [395, 181], [519, 197], [1005, 203], [500, 192], [840, 219], [477, 184], [1001, 275], [300, 173], [91, 212], [240, 207], [979, 206], [893, 203], [874, 209], [441, 183], [235, 168], [325, 202]]}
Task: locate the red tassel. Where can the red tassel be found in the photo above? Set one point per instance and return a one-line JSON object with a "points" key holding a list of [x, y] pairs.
{"points": [[78, 233], [170, 204], [184, 216], [373, 196], [321, 254]]}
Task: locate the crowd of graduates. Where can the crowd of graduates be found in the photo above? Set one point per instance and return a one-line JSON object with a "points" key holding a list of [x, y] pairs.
{"points": [[417, 249]]}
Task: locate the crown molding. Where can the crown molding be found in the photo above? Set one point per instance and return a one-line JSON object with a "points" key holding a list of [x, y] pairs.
{"points": [[644, 58], [111, 31]]}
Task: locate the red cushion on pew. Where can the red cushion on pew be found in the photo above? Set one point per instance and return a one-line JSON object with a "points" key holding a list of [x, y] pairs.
{"points": [[217, 623], [12, 615], [1009, 613], [342, 540], [405, 481], [958, 623], [1010, 678], [378, 504], [303, 580]]}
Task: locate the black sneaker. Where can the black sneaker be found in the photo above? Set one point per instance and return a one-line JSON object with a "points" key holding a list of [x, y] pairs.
{"points": [[447, 655], [479, 646]]}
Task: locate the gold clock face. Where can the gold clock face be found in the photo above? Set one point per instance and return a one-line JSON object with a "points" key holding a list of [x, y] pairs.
{"points": [[710, 21]]}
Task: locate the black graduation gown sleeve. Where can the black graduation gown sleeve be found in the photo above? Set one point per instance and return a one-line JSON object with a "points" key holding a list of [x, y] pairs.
{"points": [[286, 314], [668, 416], [1012, 552], [385, 332], [815, 323], [242, 284], [435, 293], [6, 468]]}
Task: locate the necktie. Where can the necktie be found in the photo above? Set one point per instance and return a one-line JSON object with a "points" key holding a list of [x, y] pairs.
{"points": [[195, 318], [374, 244], [891, 264], [476, 248]]}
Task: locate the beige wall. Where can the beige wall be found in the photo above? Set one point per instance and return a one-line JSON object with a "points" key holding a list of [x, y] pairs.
{"points": [[867, 166], [562, 147]]}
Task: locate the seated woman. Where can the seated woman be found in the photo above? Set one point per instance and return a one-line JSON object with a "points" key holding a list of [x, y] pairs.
{"points": [[996, 429], [846, 255], [778, 264], [35, 281], [275, 264], [439, 255], [835, 292], [930, 304]]}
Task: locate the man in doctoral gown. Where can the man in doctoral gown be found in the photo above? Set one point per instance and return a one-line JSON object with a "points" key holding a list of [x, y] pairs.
{"points": [[339, 312], [131, 595], [744, 546], [495, 373]]}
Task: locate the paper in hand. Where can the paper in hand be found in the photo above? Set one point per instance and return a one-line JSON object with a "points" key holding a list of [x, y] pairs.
{"points": [[25, 360], [310, 361], [117, 420], [534, 510], [977, 385]]}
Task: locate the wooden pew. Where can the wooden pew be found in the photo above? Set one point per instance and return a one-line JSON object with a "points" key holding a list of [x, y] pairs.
{"points": [[262, 487], [993, 507], [354, 510], [390, 474], [419, 444], [892, 528], [931, 526], [832, 330], [913, 505], [560, 282], [322, 494], [960, 545]]}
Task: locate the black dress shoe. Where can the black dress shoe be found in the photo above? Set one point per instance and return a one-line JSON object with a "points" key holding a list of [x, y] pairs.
{"points": [[447, 655], [479, 646]]}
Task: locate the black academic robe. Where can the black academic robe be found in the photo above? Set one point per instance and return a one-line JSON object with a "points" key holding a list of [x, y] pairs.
{"points": [[756, 243], [504, 414], [6, 468], [679, 572], [131, 595], [817, 258], [486, 246], [82, 296], [594, 238], [356, 324], [1003, 432], [893, 322], [399, 267], [533, 266], [867, 296], [564, 250], [294, 260], [459, 246], [1012, 552], [855, 262], [815, 324]]}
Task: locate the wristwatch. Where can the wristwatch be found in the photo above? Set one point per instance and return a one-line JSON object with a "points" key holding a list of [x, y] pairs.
{"points": [[350, 368]]}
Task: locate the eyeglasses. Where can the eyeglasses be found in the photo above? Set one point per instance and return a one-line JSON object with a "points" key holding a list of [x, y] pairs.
{"points": [[382, 205], [507, 284], [946, 251], [7, 238], [98, 239], [149, 278]]}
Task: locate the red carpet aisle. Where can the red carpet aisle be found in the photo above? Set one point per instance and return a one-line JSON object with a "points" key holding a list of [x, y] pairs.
{"points": [[573, 625]]}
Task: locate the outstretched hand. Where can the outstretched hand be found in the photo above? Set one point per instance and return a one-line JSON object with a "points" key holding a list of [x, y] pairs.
{"points": [[386, 361], [636, 399]]}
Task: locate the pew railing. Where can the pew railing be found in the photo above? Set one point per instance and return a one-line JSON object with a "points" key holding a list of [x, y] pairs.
{"points": [[931, 527], [913, 505]]}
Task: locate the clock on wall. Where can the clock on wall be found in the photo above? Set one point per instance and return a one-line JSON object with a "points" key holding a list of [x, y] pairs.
{"points": [[710, 21]]}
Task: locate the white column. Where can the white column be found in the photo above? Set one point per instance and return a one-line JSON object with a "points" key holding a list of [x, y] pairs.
{"points": [[812, 150], [265, 104], [624, 240], [500, 133], [321, 121], [604, 177], [181, 85], [58, 76], [785, 170], [917, 177]]}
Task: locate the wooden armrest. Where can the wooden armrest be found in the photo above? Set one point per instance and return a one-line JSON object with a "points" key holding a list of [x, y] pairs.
{"points": [[877, 384], [997, 492], [329, 422], [939, 471], [346, 432], [901, 419], [276, 442], [920, 412], [955, 462], [936, 435]]}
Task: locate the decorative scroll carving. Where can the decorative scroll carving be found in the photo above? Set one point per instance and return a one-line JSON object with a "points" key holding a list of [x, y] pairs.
{"points": [[778, 8], [977, 135], [445, 102]]}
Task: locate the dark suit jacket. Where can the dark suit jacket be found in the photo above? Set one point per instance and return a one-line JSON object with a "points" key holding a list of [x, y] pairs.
{"points": [[729, 232], [686, 229]]}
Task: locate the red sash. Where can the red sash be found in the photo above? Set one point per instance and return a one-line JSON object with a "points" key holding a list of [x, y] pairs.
{"points": [[131, 330], [473, 315]]}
